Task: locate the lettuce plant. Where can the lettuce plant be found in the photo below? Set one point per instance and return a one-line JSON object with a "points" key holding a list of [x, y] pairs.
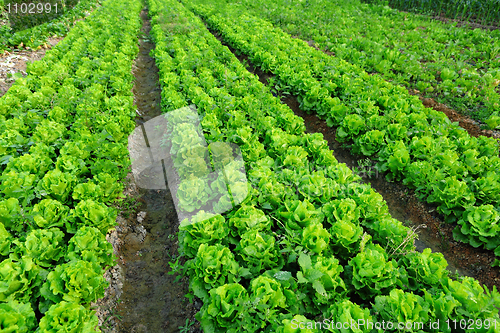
{"points": [[19, 280], [341, 210], [16, 317], [479, 225], [213, 266], [204, 228], [69, 317], [369, 143], [90, 244], [50, 213], [426, 269], [345, 311], [5, 241], [91, 213], [10, 214], [44, 246], [315, 238], [57, 185], [267, 292], [224, 309], [316, 187], [193, 194], [248, 217], [372, 273], [452, 196], [299, 214], [298, 324], [350, 127], [258, 250], [345, 238], [322, 275], [18, 185], [402, 307], [77, 281]]}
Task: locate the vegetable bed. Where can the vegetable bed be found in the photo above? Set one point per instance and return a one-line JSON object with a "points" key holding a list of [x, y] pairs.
{"points": [[309, 242], [63, 150], [417, 145]]}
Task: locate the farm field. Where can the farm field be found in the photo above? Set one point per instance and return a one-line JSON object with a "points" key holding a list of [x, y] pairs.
{"points": [[298, 190], [458, 66]]}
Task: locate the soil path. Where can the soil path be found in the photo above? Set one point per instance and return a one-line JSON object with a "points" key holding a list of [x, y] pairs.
{"points": [[148, 300]]}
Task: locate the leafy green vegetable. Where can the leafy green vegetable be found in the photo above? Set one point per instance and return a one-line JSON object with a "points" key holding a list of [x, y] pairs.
{"points": [[90, 244], [16, 317], [300, 214], [193, 194], [69, 317], [214, 266], [372, 273], [315, 238], [19, 280], [248, 217], [258, 250], [224, 309], [204, 228], [50, 213], [76, 281], [44, 246], [91, 213], [56, 184], [10, 214]]}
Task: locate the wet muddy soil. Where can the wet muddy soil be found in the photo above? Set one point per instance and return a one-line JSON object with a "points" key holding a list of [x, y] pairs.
{"points": [[403, 204], [143, 297]]}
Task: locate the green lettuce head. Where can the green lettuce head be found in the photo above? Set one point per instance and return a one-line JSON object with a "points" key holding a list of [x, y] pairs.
{"points": [[76, 281], [69, 318], [16, 317], [315, 238], [193, 193], [92, 213], [10, 214], [44, 246], [50, 213], [19, 280], [348, 312], [372, 273], [224, 308], [204, 228], [5, 241], [298, 324], [215, 265], [246, 218], [267, 292], [300, 214], [90, 244], [258, 251]]}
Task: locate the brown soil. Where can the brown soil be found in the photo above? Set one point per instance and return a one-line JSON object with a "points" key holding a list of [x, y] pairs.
{"points": [[16, 61], [403, 204], [144, 298], [470, 125]]}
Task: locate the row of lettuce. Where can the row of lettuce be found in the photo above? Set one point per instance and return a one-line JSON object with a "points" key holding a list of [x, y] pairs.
{"points": [[458, 66], [458, 173], [63, 150], [310, 242], [38, 35]]}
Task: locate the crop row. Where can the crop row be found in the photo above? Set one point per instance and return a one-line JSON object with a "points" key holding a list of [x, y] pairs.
{"points": [[481, 11], [37, 36], [309, 241], [446, 166], [63, 150], [459, 66]]}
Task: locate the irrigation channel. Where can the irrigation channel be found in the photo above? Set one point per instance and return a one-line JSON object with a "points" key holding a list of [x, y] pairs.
{"points": [[144, 298], [149, 300]]}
